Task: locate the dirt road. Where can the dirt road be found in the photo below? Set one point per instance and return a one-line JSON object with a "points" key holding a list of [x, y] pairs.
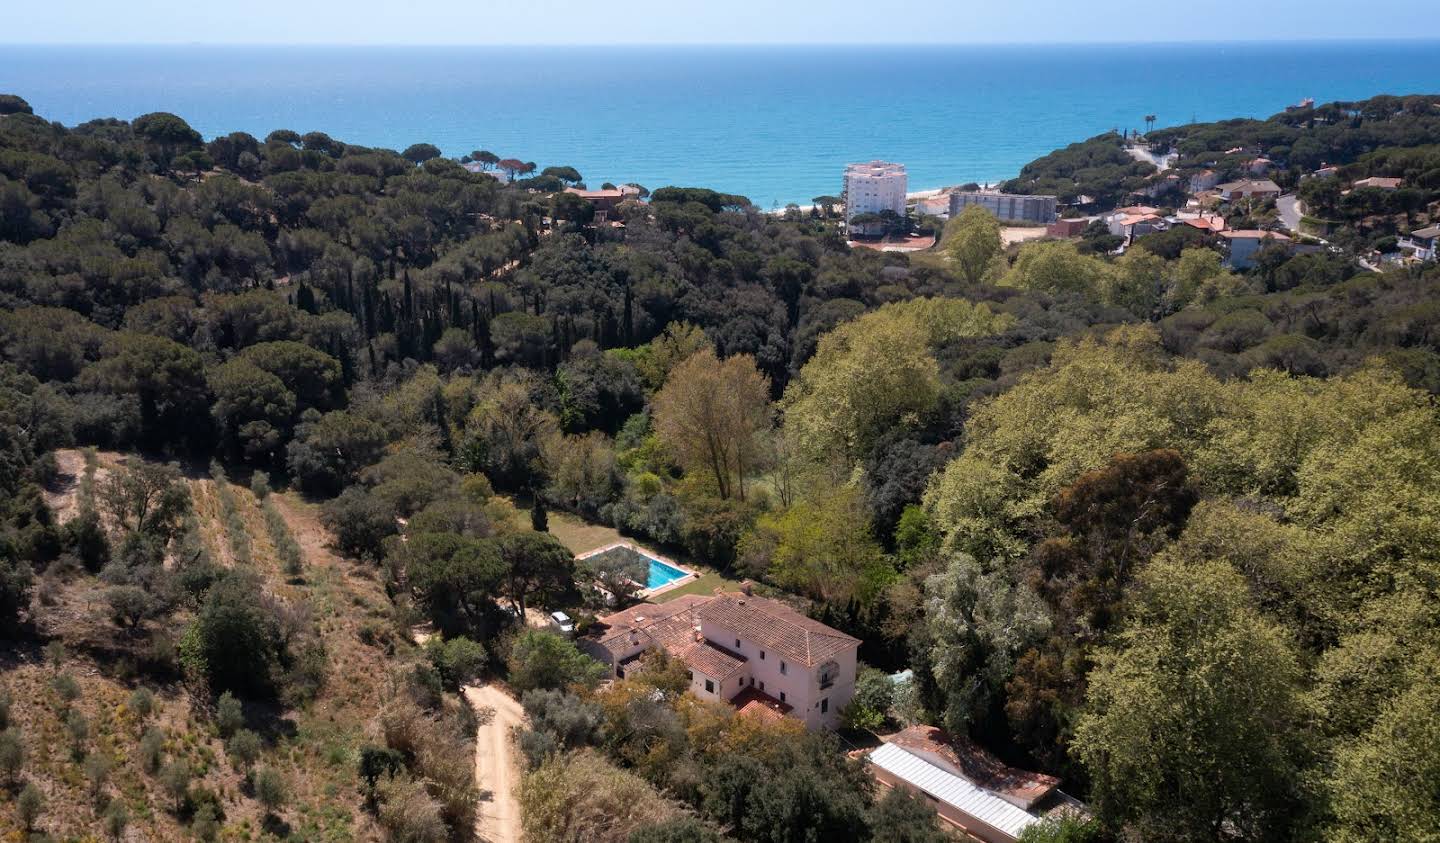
{"points": [[497, 771]]}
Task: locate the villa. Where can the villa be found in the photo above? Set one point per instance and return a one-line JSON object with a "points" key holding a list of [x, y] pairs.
{"points": [[1424, 242], [606, 202], [972, 791], [757, 654], [1379, 182], [1249, 188]]}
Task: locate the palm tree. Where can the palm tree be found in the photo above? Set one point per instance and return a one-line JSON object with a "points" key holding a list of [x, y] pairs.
{"points": [[1149, 123]]}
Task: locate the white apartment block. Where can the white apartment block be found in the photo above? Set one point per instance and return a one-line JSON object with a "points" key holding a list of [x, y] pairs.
{"points": [[874, 187]]}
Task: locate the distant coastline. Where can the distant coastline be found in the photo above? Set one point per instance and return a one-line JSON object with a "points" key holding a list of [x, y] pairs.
{"points": [[770, 123]]}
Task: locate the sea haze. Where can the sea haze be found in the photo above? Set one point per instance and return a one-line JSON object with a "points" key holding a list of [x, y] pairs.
{"points": [[773, 123]]}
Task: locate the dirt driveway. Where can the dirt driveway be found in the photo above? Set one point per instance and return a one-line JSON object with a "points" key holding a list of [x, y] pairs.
{"points": [[497, 768], [497, 771]]}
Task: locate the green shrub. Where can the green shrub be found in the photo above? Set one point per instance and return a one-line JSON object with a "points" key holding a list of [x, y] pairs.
{"points": [[152, 748], [229, 714], [243, 748], [270, 789], [12, 755], [30, 805], [142, 702]]}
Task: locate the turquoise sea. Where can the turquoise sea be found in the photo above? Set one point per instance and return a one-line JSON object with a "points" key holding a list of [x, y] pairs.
{"points": [[776, 124]]}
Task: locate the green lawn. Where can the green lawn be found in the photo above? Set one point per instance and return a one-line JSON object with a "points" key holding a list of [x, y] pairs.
{"points": [[580, 536], [708, 582]]}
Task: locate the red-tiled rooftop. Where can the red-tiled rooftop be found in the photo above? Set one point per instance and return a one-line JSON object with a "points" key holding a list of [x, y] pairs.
{"points": [[668, 624], [753, 703], [596, 194], [976, 764], [777, 627], [712, 660]]}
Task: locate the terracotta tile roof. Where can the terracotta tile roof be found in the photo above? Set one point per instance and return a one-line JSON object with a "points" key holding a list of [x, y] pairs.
{"points": [[1377, 181], [712, 660], [969, 760], [670, 625], [1432, 231], [595, 194], [753, 703], [1254, 234], [776, 627], [1205, 223]]}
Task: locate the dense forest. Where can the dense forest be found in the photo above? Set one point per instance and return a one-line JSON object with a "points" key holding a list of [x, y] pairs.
{"points": [[1165, 530]]}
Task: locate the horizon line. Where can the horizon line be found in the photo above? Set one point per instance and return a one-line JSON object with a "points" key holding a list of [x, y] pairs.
{"points": [[1354, 39]]}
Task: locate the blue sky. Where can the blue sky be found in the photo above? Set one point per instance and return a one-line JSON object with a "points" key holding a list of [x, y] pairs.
{"points": [[705, 21]]}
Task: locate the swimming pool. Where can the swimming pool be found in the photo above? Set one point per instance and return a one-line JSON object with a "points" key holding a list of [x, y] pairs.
{"points": [[661, 575], [648, 570]]}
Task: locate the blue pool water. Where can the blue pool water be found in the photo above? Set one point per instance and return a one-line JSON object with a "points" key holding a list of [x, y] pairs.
{"points": [[662, 574], [776, 124]]}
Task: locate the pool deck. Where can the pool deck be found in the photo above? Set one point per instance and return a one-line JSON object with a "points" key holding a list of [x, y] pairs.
{"points": [[647, 593]]}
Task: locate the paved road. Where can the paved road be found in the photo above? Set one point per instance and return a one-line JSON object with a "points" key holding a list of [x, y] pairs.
{"points": [[497, 771], [1289, 208]]}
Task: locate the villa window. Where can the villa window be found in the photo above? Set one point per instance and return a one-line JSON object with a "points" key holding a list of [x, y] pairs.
{"points": [[784, 668], [828, 672], [737, 643], [762, 655], [762, 684], [709, 687], [782, 696], [824, 705]]}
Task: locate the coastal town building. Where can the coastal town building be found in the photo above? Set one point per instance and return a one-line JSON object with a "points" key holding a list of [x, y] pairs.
{"points": [[1249, 189], [874, 187], [1378, 182], [1134, 220], [934, 206], [1246, 243], [1325, 171], [1424, 243], [1007, 207], [606, 202], [1207, 223], [1067, 227], [1204, 180], [758, 654], [972, 791]]}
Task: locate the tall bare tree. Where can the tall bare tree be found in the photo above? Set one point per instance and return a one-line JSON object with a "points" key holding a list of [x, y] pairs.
{"points": [[712, 414]]}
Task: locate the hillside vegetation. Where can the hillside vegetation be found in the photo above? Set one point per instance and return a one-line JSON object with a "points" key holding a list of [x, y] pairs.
{"points": [[1160, 528]]}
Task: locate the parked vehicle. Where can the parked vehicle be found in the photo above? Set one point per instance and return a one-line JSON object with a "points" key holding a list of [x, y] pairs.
{"points": [[562, 622]]}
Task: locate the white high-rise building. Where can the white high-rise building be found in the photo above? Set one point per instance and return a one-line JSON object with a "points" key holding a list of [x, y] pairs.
{"points": [[874, 187]]}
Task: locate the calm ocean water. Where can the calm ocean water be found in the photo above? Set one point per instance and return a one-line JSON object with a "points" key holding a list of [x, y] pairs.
{"points": [[774, 123]]}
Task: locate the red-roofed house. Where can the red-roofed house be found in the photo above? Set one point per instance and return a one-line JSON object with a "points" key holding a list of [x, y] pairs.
{"points": [[751, 651], [1380, 182], [605, 201]]}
